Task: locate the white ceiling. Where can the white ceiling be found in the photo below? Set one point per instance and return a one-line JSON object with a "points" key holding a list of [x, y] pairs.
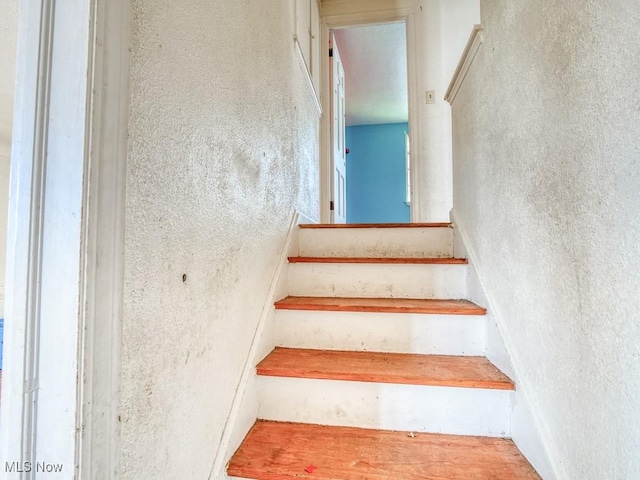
{"points": [[375, 65]]}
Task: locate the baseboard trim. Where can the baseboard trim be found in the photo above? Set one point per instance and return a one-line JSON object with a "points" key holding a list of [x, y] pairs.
{"points": [[243, 413]]}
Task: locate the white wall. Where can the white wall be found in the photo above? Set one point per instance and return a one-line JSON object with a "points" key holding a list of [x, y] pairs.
{"points": [[546, 187], [443, 30], [223, 146], [8, 38]]}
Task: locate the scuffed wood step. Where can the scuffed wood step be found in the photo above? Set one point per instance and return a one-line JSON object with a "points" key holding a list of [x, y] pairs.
{"points": [[397, 368], [282, 451], [375, 225], [392, 260], [386, 305]]}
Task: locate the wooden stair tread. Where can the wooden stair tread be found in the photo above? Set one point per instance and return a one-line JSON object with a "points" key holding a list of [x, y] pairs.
{"points": [[282, 451], [386, 305], [374, 225], [383, 260], [397, 368]]}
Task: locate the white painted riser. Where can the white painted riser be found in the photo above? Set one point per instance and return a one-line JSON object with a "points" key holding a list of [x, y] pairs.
{"points": [[460, 411], [382, 332], [376, 242], [377, 280]]}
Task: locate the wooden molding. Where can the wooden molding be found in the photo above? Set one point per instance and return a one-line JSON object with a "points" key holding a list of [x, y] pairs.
{"points": [[25, 233], [339, 8], [103, 241], [469, 54], [307, 75], [234, 421], [307, 68]]}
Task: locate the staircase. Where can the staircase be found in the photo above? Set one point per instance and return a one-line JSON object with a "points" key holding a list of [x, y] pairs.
{"points": [[380, 371]]}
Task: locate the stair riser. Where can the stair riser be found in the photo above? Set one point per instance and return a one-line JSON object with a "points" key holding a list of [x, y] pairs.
{"points": [[460, 411], [381, 332], [376, 242], [375, 280]]}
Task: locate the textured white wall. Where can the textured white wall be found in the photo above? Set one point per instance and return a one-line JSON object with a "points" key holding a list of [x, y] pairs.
{"points": [[8, 38], [223, 146], [443, 28], [547, 189]]}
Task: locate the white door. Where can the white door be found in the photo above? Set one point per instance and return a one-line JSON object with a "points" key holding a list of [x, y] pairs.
{"points": [[338, 148]]}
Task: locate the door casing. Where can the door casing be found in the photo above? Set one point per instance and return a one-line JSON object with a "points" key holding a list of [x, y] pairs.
{"points": [[330, 22], [66, 238]]}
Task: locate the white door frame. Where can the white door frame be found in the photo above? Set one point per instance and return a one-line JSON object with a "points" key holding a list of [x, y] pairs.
{"points": [[329, 22], [65, 239], [338, 130]]}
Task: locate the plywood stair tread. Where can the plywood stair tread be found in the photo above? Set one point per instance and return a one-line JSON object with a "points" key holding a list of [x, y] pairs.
{"points": [[395, 368], [386, 305], [282, 451], [374, 225], [382, 260]]}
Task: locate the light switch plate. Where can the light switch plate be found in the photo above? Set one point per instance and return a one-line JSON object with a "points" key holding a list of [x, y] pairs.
{"points": [[431, 96]]}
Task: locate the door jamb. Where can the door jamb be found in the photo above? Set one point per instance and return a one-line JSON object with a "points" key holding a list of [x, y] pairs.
{"points": [[358, 19], [103, 243], [98, 145]]}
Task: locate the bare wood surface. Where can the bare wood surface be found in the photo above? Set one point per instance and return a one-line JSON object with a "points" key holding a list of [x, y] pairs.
{"points": [[398, 368], [387, 305], [282, 451], [382, 260], [374, 225]]}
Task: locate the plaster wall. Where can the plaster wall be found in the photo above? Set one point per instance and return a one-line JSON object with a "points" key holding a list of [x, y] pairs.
{"points": [[8, 39], [223, 146], [546, 148], [442, 30]]}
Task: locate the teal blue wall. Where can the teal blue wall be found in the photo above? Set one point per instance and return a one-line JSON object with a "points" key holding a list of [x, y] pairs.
{"points": [[376, 176]]}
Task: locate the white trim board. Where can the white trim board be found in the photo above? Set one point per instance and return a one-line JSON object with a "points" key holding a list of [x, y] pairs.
{"points": [[44, 282], [103, 266], [342, 7], [65, 240], [303, 61], [24, 236], [433, 409], [244, 408], [307, 76], [469, 54]]}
